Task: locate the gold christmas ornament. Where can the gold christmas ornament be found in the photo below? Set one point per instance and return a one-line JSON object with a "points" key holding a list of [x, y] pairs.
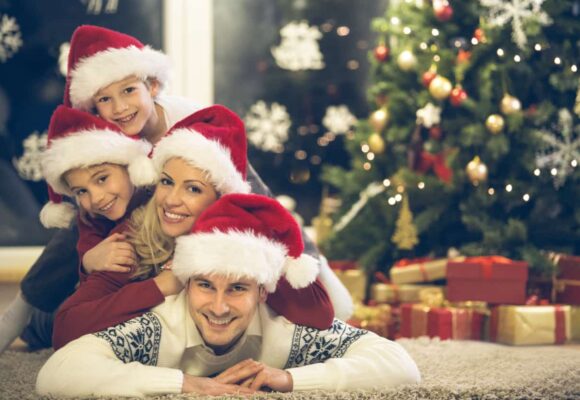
{"points": [[376, 143], [494, 123], [405, 236], [379, 119], [510, 104], [476, 171], [440, 87], [407, 60]]}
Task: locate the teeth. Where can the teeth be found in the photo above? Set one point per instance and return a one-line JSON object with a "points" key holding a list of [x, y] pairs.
{"points": [[126, 119], [173, 216], [219, 321], [107, 206]]}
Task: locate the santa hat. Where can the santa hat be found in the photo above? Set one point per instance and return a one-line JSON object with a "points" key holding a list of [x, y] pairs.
{"points": [[212, 139], [245, 235], [100, 56], [77, 139]]}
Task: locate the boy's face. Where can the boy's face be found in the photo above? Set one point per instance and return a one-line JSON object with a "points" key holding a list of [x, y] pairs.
{"points": [[128, 103], [223, 307], [181, 195], [103, 189]]}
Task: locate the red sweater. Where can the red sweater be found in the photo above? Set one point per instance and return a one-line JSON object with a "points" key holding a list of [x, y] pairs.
{"points": [[106, 299]]}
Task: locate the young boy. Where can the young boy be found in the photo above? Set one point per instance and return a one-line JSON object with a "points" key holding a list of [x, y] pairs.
{"points": [[122, 80]]}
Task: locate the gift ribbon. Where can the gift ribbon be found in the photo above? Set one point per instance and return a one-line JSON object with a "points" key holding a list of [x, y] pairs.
{"points": [[560, 328], [420, 262], [436, 162], [487, 263]]}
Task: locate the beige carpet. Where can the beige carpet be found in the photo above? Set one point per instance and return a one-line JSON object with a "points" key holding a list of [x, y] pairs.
{"points": [[451, 370]]}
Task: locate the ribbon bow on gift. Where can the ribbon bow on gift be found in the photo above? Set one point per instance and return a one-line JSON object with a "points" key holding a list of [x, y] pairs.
{"points": [[436, 162]]}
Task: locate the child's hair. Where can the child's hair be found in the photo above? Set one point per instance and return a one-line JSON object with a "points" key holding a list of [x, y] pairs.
{"points": [[153, 247]]}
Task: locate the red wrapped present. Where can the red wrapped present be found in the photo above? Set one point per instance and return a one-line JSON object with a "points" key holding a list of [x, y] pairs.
{"points": [[567, 284], [492, 279]]}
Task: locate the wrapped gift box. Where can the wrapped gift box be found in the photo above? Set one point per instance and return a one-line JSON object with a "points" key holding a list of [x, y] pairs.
{"points": [[377, 319], [352, 277], [525, 325], [419, 270], [567, 284], [575, 323], [394, 294], [491, 279], [443, 322]]}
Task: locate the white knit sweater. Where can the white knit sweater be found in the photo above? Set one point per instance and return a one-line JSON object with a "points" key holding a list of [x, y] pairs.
{"points": [[148, 355]]}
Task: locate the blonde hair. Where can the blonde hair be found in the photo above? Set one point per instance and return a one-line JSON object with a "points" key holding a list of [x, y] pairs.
{"points": [[153, 247]]}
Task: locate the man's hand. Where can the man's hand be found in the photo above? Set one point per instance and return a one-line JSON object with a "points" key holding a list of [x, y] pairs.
{"points": [[256, 375], [211, 387], [113, 254], [167, 283]]}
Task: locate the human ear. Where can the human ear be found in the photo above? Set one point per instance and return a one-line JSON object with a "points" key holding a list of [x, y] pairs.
{"points": [[154, 87], [262, 294]]}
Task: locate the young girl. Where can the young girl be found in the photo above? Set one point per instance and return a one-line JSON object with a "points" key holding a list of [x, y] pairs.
{"points": [[201, 158]]}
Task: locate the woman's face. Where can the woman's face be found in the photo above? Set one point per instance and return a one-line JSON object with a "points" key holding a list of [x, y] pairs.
{"points": [[182, 194]]}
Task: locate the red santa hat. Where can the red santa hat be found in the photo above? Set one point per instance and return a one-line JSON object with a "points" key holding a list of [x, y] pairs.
{"points": [[212, 139], [77, 139], [100, 56], [245, 235]]}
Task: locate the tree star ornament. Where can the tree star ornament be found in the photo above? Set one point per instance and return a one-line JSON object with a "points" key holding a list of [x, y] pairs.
{"points": [[519, 12], [429, 116]]}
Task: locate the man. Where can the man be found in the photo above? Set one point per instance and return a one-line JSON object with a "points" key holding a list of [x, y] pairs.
{"points": [[218, 336]]}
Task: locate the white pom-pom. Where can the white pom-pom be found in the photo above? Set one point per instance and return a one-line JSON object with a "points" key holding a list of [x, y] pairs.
{"points": [[142, 171], [302, 271], [57, 215]]}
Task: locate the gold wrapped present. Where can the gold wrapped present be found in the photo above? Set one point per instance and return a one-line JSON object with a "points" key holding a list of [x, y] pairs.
{"points": [[525, 325], [575, 323], [352, 277], [419, 270], [376, 319], [392, 294]]}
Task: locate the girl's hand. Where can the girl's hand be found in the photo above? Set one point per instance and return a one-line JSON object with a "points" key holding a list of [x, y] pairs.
{"points": [[113, 254], [168, 284]]}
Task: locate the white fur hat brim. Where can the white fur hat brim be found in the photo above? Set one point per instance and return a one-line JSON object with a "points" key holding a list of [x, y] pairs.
{"points": [[240, 254], [57, 215], [86, 148], [202, 153], [103, 68]]}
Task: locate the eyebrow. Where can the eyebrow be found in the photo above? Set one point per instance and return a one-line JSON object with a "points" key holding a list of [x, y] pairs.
{"points": [[187, 181], [97, 172]]}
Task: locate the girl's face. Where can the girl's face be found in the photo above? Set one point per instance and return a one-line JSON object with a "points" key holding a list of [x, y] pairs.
{"points": [[103, 189], [128, 103], [182, 194]]}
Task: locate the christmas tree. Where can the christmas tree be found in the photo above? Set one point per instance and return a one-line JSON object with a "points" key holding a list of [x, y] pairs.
{"points": [[476, 122]]}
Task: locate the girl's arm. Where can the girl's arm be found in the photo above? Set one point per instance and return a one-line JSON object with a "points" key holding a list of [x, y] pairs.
{"points": [[309, 306], [91, 233], [103, 300]]}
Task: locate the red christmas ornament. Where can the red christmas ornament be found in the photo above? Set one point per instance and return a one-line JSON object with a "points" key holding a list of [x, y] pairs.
{"points": [[428, 77], [443, 11], [457, 96], [463, 56], [435, 132], [382, 53], [479, 34]]}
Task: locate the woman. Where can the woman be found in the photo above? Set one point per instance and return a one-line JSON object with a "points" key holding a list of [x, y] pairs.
{"points": [[199, 159]]}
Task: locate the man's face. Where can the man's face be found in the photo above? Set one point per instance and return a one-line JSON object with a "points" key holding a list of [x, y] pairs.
{"points": [[223, 307]]}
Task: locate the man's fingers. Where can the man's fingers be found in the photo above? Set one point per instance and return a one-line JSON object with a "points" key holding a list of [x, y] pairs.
{"points": [[259, 380], [240, 372]]}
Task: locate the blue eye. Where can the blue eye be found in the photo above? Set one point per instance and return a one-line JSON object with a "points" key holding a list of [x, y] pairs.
{"points": [[103, 99], [80, 192], [194, 189], [166, 182]]}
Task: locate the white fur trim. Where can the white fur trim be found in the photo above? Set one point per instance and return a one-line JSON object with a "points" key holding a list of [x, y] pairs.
{"points": [[142, 171], [105, 67], [86, 148], [57, 215], [233, 253], [202, 153], [302, 271]]}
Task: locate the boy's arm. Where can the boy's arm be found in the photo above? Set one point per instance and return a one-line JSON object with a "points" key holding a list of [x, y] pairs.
{"points": [[346, 358], [90, 234], [104, 299]]}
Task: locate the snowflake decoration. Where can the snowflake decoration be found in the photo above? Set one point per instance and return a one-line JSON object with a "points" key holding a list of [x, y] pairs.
{"points": [[63, 58], [10, 37], [519, 12], [268, 127], [428, 115], [299, 49], [338, 119], [28, 166], [560, 152], [95, 7]]}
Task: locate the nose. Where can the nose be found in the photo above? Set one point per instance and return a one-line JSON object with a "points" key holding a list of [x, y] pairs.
{"points": [[119, 105], [219, 305], [97, 197], [173, 198]]}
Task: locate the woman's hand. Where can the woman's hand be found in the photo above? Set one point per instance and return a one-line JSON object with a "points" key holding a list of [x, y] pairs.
{"points": [[113, 254], [167, 283]]}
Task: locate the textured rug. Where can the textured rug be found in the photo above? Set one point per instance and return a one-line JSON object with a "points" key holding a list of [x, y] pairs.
{"points": [[450, 370]]}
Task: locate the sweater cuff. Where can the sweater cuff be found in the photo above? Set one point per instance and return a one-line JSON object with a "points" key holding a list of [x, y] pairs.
{"points": [[165, 381], [311, 377]]}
